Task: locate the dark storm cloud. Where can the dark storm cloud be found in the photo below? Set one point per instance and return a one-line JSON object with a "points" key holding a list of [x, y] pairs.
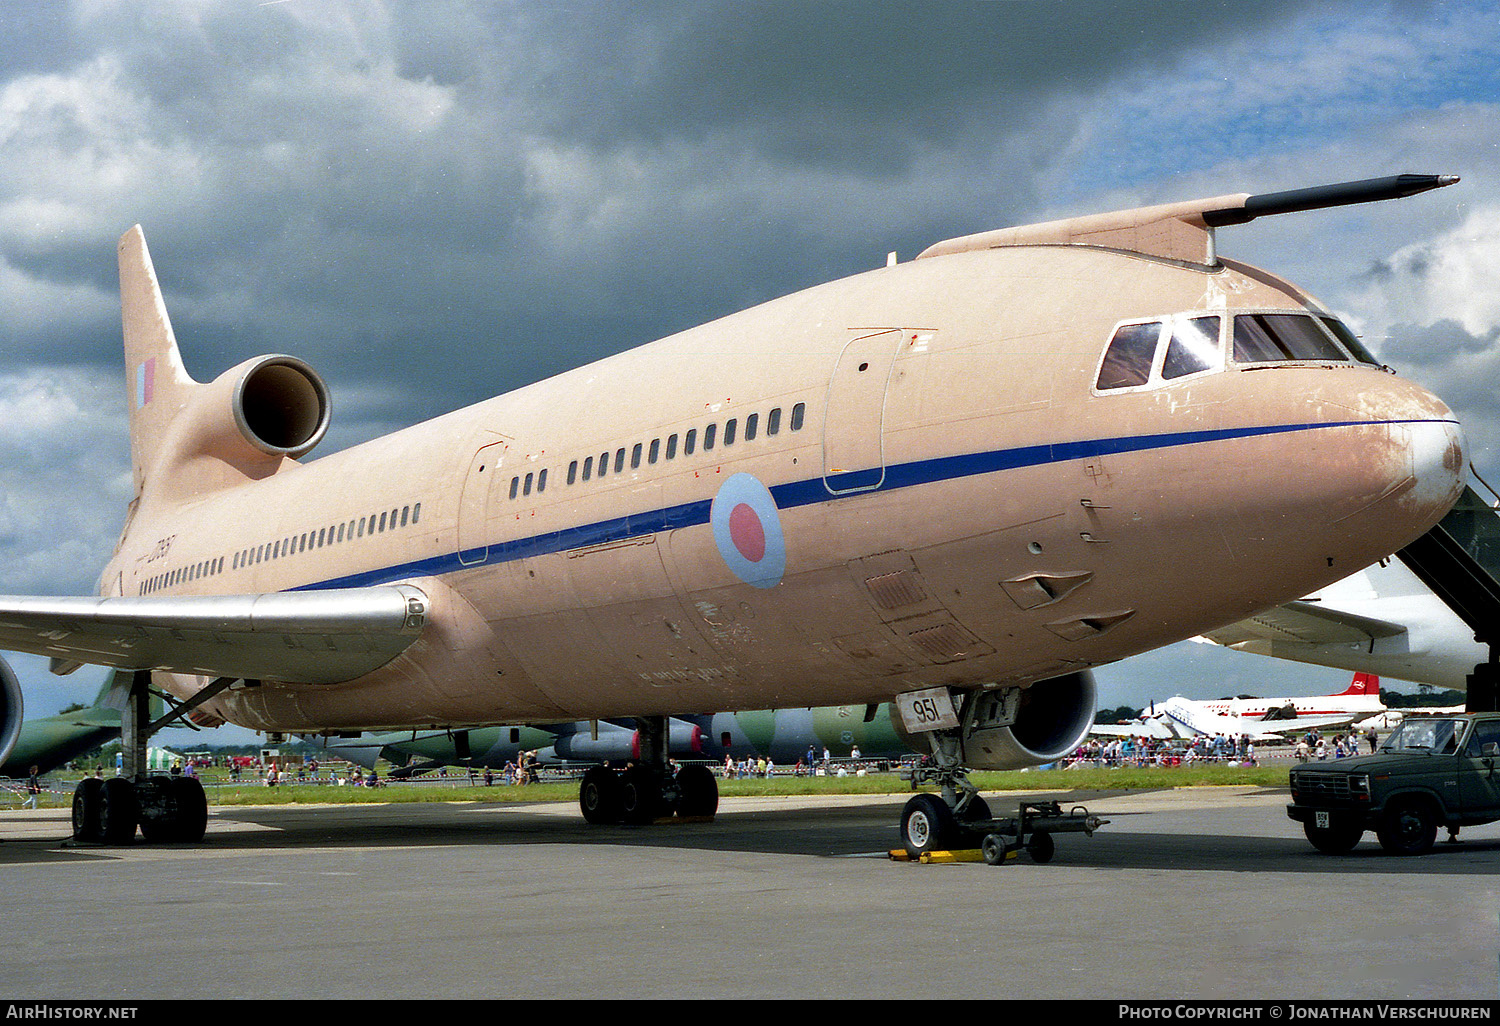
{"points": [[531, 186]]}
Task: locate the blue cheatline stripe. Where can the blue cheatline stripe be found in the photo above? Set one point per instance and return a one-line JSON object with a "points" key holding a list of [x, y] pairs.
{"points": [[814, 490]]}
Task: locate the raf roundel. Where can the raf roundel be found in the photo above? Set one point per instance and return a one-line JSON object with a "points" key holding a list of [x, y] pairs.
{"points": [[747, 530]]}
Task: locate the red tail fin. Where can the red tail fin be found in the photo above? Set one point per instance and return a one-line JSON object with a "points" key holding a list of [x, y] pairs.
{"points": [[1362, 684]]}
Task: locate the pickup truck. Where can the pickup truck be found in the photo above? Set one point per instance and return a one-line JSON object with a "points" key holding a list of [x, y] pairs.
{"points": [[1431, 771]]}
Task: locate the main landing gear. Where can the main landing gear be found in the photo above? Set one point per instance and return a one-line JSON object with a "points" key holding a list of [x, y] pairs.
{"points": [[648, 790], [164, 808]]}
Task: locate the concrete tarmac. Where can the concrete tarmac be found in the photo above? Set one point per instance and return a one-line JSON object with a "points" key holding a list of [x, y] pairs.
{"points": [[1192, 893]]}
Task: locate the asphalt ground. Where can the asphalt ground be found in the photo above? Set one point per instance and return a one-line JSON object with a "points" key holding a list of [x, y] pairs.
{"points": [[1208, 893]]}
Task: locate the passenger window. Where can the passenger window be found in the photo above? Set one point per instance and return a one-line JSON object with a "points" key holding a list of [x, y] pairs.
{"points": [[588, 468], [635, 456], [382, 523], [526, 489], [729, 429], [541, 480], [572, 472], [671, 447], [1194, 347], [416, 512], [798, 412], [619, 461], [515, 487], [1127, 361], [603, 463], [655, 452], [751, 422], [708, 436], [404, 512], [688, 440], [773, 421]]}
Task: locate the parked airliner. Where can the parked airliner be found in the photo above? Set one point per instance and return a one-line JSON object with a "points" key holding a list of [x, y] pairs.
{"points": [[958, 482]]}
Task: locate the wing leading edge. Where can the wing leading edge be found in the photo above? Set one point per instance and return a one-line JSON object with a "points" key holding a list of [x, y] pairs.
{"points": [[321, 637]]}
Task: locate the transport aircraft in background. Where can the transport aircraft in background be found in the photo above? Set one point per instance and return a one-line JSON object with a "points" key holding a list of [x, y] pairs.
{"points": [[957, 483], [47, 742], [1260, 719], [783, 735], [1381, 620]]}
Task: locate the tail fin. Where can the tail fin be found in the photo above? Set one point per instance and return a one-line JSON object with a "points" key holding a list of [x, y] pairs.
{"points": [[1363, 684], [155, 379]]}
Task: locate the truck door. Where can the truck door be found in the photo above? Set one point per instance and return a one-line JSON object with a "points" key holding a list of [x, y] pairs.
{"points": [[1478, 775]]}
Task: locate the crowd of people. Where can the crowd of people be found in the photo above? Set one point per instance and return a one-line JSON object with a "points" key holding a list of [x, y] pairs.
{"points": [[1313, 745], [1145, 751]]}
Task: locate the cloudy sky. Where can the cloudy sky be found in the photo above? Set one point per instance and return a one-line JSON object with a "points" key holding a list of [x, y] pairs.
{"points": [[433, 203]]}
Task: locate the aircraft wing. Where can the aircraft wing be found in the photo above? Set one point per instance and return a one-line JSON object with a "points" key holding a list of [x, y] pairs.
{"points": [[303, 637], [1150, 728], [1307, 623]]}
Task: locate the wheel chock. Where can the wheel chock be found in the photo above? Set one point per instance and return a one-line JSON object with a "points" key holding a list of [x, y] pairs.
{"points": [[941, 857]]}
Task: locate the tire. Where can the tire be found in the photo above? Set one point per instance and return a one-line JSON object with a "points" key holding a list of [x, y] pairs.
{"points": [[640, 796], [994, 849], [156, 807], [1041, 847], [697, 792], [1408, 827], [977, 811], [118, 813], [599, 795], [192, 809], [927, 824], [1339, 839], [88, 801]]}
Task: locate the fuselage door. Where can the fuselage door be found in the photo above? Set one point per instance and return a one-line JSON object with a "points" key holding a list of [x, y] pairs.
{"points": [[473, 503], [853, 454]]}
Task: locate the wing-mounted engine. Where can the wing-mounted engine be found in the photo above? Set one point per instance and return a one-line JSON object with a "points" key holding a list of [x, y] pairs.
{"points": [[12, 709], [1005, 729], [244, 424]]}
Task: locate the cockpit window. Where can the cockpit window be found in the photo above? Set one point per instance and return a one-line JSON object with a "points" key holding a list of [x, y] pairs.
{"points": [[1350, 340], [1272, 338], [1127, 361], [1194, 347]]}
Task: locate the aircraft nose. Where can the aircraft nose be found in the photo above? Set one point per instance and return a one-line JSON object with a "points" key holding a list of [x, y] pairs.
{"points": [[1423, 464]]}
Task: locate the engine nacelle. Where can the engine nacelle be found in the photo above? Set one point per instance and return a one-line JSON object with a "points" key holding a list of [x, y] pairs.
{"points": [[12, 709], [278, 404], [1053, 718]]}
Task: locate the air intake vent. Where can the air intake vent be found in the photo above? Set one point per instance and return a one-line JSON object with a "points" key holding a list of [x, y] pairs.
{"points": [[1035, 590], [896, 590], [947, 642], [1089, 626]]}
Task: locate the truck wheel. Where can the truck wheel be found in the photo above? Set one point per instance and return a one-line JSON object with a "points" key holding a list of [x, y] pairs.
{"points": [[1333, 840], [1407, 828]]}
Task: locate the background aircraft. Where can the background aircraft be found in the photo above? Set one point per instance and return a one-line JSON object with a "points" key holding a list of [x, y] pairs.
{"points": [[50, 741], [1262, 719], [1381, 620], [782, 735]]}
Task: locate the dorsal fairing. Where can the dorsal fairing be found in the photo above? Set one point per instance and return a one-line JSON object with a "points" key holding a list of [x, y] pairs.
{"points": [[1184, 231]]}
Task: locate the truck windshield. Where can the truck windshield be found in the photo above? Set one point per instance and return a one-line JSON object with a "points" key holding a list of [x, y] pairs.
{"points": [[1428, 735]]}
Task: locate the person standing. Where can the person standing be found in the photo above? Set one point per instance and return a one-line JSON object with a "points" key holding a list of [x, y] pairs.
{"points": [[33, 788]]}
